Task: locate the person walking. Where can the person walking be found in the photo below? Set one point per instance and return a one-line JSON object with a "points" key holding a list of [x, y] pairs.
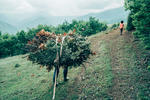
{"points": [[121, 27]]}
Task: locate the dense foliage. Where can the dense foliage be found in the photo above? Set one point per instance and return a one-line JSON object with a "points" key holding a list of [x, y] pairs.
{"points": [[72, 49], [139, 17], [130, 26], [14, 44], [84, 28]]}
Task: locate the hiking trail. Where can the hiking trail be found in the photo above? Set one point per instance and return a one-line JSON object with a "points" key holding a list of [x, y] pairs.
{"points": [[125, 66]]}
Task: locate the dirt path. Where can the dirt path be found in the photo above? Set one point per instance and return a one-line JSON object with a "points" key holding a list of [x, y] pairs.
{"points": [[122, 61], [129, 76]]}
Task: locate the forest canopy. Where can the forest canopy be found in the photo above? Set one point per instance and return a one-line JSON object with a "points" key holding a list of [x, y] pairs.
{"points": [[14, 44], [139, 19]]}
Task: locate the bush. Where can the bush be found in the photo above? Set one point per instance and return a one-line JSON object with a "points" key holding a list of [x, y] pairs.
{"points": [[139, 17], [114, 26], [44, 48], [17, 65], [130, 26], [90, 27]]}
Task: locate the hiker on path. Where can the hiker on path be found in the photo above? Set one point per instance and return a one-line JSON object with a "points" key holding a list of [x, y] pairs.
{"points": [[121, 27]]}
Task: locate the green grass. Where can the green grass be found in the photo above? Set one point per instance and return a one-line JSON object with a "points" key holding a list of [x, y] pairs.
{"points": [[98, 77], [20, 83], [28, 82]]}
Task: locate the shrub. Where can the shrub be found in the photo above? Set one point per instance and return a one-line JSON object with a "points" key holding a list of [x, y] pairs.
{"points": [[139, 17], [130, 26], [114, 26], [91, 27], [17, 65], [45, 48]]}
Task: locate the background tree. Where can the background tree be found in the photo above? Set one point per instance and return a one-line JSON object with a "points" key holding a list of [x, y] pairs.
{"points": [[140, 19], [14, 44], [130, 25]]}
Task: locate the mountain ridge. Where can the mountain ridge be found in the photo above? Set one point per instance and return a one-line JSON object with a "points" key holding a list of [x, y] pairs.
{"points": [[109, 16], [7, 28]]}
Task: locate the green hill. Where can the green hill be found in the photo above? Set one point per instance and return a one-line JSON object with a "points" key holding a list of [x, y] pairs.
{"points": [[118, 71]]}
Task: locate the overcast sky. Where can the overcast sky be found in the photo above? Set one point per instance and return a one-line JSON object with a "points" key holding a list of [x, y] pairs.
{"points": [[57, 7]]}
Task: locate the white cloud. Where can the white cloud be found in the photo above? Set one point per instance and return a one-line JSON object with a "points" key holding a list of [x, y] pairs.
{"points": [[24, 7], [57, 7]]}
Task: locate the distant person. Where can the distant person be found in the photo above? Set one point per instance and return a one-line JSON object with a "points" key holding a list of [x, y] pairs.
{"points": [[121, 27]]}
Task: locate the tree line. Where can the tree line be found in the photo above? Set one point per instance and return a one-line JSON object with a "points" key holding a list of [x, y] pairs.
{"points": [[14, 44], [139, 19]]}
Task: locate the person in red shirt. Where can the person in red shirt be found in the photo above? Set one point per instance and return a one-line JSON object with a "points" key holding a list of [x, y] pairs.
{"points": [[121, 27]]}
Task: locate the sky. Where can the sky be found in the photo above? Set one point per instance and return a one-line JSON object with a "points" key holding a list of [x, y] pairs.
{"points": [[57, 7]]}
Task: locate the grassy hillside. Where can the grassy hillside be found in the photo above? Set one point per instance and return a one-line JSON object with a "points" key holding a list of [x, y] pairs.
{"points": [[117, 72], [29, 81]]}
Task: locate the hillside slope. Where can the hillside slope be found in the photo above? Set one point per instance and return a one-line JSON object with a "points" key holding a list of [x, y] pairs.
{"points": [[110, 16], [117, 72], [7, 28]]}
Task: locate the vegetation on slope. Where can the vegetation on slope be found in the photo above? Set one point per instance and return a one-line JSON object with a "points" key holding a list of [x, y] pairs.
{"points": [[14, 44], [139, 19], [117, 71], [31, 82]]}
